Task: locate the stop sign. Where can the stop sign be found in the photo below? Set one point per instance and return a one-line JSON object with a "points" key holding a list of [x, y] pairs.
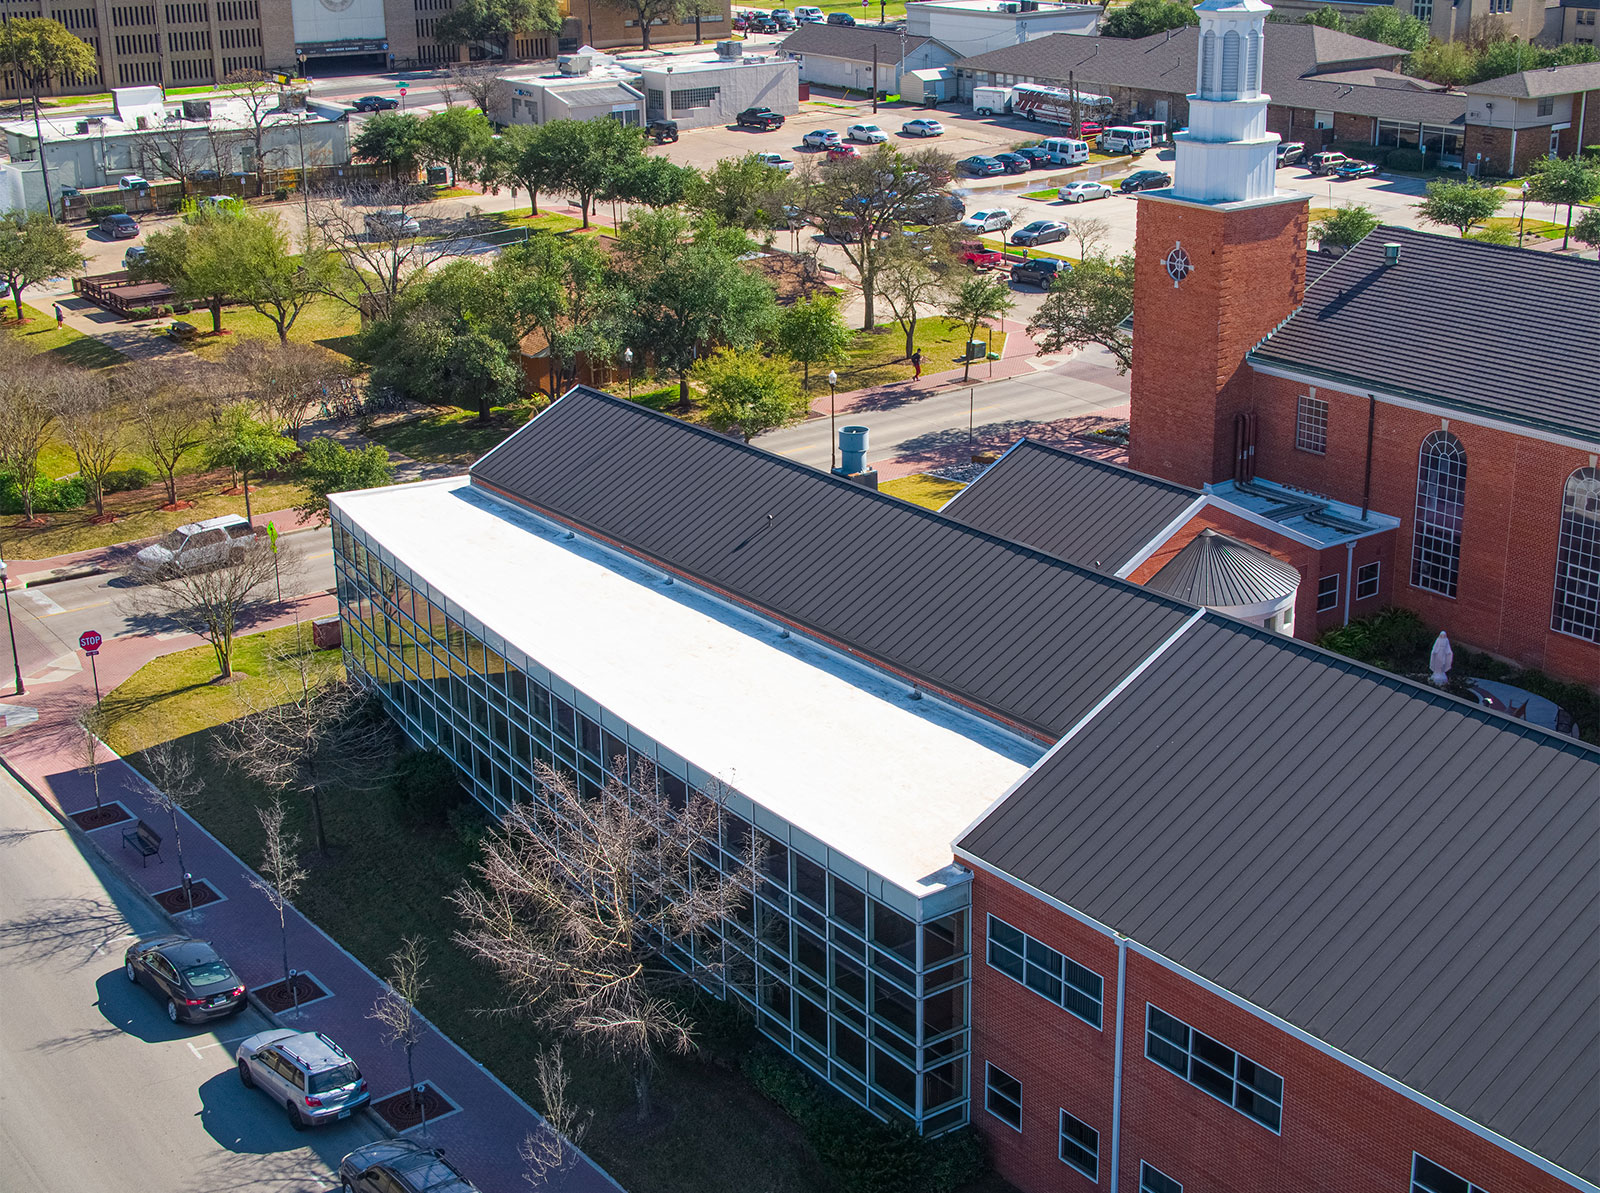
{"points": [[89, 640]]}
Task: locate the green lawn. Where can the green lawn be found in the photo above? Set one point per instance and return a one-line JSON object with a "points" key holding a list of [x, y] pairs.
{"points": [[878, 357], [451, 436], [388, 879], [994, 242], [1532, 227], [922, 488], [39, 332], [325, 321]]}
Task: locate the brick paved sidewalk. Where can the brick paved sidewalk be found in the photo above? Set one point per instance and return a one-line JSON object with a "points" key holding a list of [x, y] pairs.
{"points": [[482, 1136]]}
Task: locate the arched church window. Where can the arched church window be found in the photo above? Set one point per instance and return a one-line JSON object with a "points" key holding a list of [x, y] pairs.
{"points": [[1577, 603], [1441, 498], [1230, 64]]}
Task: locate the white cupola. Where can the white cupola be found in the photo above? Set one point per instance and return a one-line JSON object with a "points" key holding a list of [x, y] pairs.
{"points": [[1227, 155]]}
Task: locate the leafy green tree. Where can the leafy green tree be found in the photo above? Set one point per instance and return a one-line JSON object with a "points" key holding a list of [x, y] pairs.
{"points": [[742, 192], [1565, 180], [812, 331], [685, 289], [34, 247], [46, 52], [527, 156], [458, 138], [911, 271], [652, 182], [975, 299], [1345, 227], [1328, 17], [591, 157], [1392, 27], [646, 13], [246, 257], [245, 446], [392, 139], [1587, 229], [1087, 305], [497, 21], [748, 391], [327, 466], [560, 286], [1145, 17], [1459, 205], [1448, 63]]}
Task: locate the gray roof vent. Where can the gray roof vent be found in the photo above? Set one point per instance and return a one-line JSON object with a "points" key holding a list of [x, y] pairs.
{"points": [[1391, 253]]}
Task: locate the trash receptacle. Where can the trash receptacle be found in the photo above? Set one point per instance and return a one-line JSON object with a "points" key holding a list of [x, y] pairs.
{"points": [[976, 350], [438, 175], [327, 633]]}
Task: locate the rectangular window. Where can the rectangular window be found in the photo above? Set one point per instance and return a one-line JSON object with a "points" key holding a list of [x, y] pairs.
{"points": [[1253, 1090], [1153, 1180], [694, 97], [1047, 973], [1080, 1146], [1428, 1177], [1547, 105], [1311, 425], [1367, 580], [1002, 1097], [1328, 593]]}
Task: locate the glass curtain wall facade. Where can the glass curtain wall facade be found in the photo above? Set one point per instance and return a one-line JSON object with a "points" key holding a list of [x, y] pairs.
{"points": [[860, 980]]}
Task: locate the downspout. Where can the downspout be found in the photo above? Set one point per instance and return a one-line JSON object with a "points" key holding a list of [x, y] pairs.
{"points": [[1511, 166], [1366, 482], [1116, 1072], [1349, 575]]}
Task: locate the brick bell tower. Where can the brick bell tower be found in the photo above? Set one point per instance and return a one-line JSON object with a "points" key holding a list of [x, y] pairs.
{"points": [[1220, 260]]}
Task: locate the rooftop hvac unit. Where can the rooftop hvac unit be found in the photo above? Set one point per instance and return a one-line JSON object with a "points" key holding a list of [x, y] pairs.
{"points": [[197, 109], [575, 64], [1030, 5], [730, 49], [1015, 7]]}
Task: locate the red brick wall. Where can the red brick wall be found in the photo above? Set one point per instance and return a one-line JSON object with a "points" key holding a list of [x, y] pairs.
{"points": [[1343, 1132], [1188, 376], [1511, 522]]}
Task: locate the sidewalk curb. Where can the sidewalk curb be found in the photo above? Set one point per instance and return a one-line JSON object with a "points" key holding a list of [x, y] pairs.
{"points": [[64, 575]]}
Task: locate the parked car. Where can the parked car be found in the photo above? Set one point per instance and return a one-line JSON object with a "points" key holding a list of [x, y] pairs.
{"points": [[663, 131], [922, 128], [375, 103], [187, 974], [1145, 180], [980, 256], [1082, 192], [1038, 157], [842, 152], [134, 256], [807, 14], [763, 118], [840, 18], [1088, 130], [1290, 152], [198, 545], [306, 1073], [980, 166], [1013, 163], [784, 18], [119, 227], [991, 219], [133, 182], [1039, 232], [386, 225], [1326, 162], [941, 207], [1355, 169], [400, 1166], [820, 138], [762, 25], [1039, 271], [867, 134], [776, 160]]}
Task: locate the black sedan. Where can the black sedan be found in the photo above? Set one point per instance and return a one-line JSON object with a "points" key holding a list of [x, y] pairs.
{"points": [[1014, 163], [980, 167], [375, 103], [1145, 180], [1039, 232], [1037, 157], [195, 982]]}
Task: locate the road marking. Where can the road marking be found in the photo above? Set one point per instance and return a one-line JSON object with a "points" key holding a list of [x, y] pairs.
{"points": [[197, 1050], [320, 555], [44, 602], [111, 940], [81, 608]]}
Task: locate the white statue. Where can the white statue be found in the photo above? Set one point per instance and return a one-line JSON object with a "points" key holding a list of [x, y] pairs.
{"points": [[1441, 659]]}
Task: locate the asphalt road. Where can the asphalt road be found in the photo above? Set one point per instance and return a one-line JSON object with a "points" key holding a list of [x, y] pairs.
{"points": [[100, 1090], [48, 619]]}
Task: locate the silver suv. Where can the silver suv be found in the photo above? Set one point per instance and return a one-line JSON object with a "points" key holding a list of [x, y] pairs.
{"points": [[306, 1073], [198, 545]]}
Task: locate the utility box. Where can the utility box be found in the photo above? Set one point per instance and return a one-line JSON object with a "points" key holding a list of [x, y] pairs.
{"points": [[327, 633], [438, 175], [976, 350]]}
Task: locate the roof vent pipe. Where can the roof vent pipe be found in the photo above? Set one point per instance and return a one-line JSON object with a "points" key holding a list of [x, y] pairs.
{"points": [[852, 450], [1391, 253]]}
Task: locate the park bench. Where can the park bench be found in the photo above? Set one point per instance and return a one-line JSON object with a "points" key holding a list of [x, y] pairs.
{"points": [[143, 838]]}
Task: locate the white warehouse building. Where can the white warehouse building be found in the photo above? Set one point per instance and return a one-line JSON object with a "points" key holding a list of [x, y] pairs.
{"points": [[978, 26]]}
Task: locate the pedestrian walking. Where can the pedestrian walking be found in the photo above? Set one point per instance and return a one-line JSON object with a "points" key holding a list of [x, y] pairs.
{"points": [[916, 363], [60, 316]]}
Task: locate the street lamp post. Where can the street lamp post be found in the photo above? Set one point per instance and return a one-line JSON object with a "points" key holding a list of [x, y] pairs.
{"points": [[627, 359], [1521, 219], [833, 439], [11, 628]]}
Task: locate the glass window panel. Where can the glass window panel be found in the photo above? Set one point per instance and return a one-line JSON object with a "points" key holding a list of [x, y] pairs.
{"points": [[894, 932], [850, 977], [811, 1021], [810, 952], [944, 938], [850, 1047], [944, 1085], [810, 881], [894, 1079], [1080, 1146], [1153, 1180], [849, 905], [1002, 1096], [894, 1006]]}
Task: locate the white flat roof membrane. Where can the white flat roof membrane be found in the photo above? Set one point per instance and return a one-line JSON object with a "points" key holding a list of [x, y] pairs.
{"points": [[834, 747]]}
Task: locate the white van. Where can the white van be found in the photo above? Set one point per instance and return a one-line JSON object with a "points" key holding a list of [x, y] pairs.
{"points": [[990, 101], [1125, 139], [1064, 151]]}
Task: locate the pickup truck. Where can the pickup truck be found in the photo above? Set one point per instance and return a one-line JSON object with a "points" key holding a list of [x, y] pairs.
{"points": [[763, 118], [981, 256]]}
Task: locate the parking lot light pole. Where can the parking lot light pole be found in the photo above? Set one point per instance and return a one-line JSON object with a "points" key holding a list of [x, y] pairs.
{"points": [[11, 628], [833, 439]]}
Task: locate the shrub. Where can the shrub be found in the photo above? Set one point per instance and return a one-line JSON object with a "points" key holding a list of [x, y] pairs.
{"points": [[469, 823], [1405, 159], [1493, 235], [50, 496], [96, 214], [1396, 639], [124, 480], [426, 787], [281, 193], [137, 313]]}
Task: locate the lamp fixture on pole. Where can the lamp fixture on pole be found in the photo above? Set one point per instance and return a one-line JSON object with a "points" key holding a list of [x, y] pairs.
{"points": [[833, 438], [627, 359]]}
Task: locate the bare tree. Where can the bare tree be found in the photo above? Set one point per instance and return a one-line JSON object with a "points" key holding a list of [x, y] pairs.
{"points": [[396, 1008], [911, 274], [168, 417], [176, 783], [1091, 233], [91, 415], [379, 258], [480, 84], [91, 719], [309, 733], [551, 1151], [284, 379], [28, 387], [577, 901], [281, 873], [174, 149], [261, 98], [210, 601]]}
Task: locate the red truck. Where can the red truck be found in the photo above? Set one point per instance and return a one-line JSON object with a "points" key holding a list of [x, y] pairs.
{"points": [[980, 256]]}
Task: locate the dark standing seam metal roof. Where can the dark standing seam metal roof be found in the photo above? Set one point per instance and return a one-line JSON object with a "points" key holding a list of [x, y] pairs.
{"points": [[1084, 511], [1404, 876], [1223, 573], [999, 624], [1532, 320]]}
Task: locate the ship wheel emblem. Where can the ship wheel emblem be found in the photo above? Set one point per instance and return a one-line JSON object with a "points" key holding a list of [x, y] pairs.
{"points": [[1178, 265]]}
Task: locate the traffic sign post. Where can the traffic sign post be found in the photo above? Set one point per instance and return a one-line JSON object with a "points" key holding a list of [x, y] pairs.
{"points": [[90, 641]]}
